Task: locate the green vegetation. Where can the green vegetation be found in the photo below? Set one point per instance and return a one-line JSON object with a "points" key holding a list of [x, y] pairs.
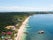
{"points": [[14, 19], [11, 19]]}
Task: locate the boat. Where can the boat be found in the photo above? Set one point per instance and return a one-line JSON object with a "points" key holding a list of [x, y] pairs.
{"points": [[41, 32]]}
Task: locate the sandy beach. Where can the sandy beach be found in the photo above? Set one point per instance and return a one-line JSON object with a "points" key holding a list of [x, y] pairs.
{"points": [[20, 31]]}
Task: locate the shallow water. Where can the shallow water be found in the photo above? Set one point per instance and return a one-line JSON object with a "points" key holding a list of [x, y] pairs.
{"points": [[39, 22]]}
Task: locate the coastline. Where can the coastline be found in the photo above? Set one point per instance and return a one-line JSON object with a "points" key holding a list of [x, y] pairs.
{"points": [[21, 29]]}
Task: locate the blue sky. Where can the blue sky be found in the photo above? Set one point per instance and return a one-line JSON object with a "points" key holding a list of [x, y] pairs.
{"points": [[26, 5]]}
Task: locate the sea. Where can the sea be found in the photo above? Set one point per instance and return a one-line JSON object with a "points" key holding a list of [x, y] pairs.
{"points": [[36, 23]]}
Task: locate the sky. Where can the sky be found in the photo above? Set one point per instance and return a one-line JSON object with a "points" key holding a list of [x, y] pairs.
{"points": [[25, 5]]}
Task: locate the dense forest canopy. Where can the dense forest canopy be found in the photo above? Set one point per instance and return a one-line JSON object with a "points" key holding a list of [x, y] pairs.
{"points": [[11, 18]]}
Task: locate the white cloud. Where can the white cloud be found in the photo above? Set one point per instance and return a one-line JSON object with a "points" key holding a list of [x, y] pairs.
{"points": [[19, 8]]}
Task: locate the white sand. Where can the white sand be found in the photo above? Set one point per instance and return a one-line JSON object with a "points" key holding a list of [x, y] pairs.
{"points": [[20, 31]]}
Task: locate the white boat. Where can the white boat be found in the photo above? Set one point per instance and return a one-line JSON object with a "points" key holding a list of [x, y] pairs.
{"points": [[41, 32]]}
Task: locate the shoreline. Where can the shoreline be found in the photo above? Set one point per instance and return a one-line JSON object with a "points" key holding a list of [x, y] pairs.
{"points": [[21, 29]]}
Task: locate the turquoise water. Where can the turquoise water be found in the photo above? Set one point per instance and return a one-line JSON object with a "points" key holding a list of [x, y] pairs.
{"points": [[39, 22]]}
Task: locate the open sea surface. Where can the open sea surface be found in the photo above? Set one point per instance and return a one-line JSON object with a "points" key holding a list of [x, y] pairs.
{"points": [[36, 23]]}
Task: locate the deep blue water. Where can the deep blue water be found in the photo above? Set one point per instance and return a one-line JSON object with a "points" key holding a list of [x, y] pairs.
{"points": [[39, 22]]}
